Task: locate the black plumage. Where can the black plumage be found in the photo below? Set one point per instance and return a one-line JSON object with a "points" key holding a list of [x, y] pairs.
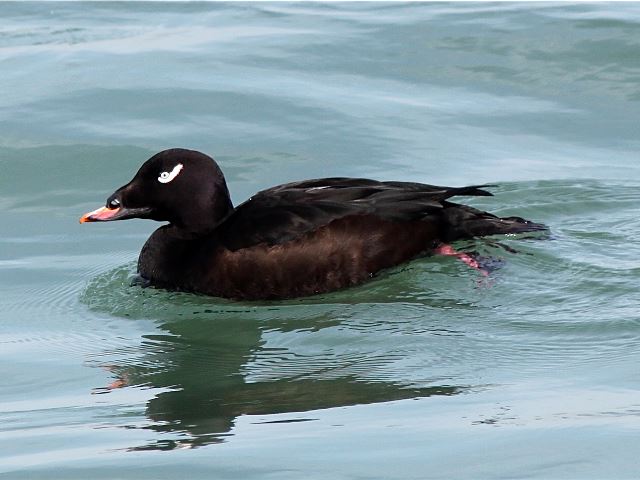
{"points": [[291, 240]]}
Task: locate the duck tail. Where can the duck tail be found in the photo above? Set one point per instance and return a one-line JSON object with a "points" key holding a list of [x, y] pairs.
{"points": [[465, 222], [514, 225]]}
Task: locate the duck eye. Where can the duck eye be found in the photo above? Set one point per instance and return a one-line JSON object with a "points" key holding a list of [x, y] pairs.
{"points": [[166, 177], [114, 203]]}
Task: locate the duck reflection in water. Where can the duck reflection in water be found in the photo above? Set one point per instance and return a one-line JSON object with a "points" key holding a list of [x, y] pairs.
{"points": [[214, 370]]}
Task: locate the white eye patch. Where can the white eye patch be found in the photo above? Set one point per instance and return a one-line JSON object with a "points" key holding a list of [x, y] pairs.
{"points": [[166, 177]]}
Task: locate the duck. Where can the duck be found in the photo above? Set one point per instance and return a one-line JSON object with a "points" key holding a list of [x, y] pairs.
{"points": [[293, 240]]}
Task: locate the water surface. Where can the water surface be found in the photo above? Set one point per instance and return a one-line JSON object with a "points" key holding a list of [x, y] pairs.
{"points": [[430, 370]]}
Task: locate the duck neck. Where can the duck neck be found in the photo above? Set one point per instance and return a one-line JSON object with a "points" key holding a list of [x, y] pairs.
{"points": [[204, 216]]}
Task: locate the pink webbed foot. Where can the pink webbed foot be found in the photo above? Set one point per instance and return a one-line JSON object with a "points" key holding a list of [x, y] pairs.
{"points": [[448, 250]]}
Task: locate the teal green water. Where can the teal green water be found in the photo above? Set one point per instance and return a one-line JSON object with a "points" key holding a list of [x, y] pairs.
{"points": [[429, 371]]}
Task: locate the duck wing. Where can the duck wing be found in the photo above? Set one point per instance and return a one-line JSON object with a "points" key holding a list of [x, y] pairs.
{"points": [[286, 212]]}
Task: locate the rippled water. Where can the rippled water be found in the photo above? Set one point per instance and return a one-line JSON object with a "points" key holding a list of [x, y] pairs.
{"points": [[429, 371]]}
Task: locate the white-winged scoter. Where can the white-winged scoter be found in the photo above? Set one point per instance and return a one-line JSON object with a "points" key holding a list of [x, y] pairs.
{"points": [[293, 240]]}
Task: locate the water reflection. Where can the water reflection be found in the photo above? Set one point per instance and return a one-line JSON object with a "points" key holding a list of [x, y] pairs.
{"points": [[206, 369]]}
